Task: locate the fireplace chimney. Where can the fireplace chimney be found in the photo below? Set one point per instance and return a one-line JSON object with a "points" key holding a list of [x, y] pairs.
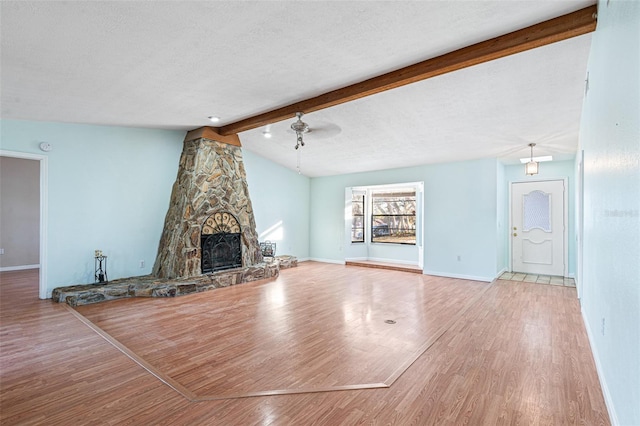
{"points": [[211, 184]]}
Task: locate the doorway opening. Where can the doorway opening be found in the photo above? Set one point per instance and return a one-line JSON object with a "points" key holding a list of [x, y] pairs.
{"points": [[43, 201]]}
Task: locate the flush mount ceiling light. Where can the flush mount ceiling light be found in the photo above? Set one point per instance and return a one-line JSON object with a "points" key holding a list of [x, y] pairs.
{"points": [[214, 118], [531, 168], [300, 127]]}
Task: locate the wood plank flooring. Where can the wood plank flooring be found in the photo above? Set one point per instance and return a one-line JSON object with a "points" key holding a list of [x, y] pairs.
{"points": [[294, 335], [517, 354]]}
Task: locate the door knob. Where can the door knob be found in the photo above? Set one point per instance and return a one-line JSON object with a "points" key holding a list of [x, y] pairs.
{"points": [[515, 235]]}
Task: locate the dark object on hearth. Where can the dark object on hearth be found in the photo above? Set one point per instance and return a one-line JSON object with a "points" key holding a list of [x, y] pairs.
{"points": [[100, 264], [268, 249]]}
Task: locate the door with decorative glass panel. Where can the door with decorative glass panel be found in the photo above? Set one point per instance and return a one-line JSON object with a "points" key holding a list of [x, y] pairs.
{"points": [[538, 228]]}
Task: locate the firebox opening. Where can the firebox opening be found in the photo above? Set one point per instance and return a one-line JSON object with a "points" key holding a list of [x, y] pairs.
{"points": [[220, 243]]}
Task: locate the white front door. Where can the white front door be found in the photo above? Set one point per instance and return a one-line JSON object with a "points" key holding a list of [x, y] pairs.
{"points": [[537, 227]]}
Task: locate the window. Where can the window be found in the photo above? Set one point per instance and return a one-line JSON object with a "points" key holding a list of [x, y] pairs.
{"points": [[357, 218], [393, 216], [537, 211]]}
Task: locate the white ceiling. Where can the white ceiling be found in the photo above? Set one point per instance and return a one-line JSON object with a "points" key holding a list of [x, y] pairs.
{"points": [[169, 65]]}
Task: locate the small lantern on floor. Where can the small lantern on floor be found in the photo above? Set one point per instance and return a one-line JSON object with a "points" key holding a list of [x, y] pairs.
{"points": [[100, 264]]}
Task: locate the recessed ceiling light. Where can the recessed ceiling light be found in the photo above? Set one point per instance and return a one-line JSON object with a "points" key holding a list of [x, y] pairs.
{"points": [[267, 134], [213, 118], [537, 159]]}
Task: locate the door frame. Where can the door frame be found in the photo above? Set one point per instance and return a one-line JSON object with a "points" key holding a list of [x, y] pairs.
{"points": [[579, 216], [44, 212], [565, 215]]}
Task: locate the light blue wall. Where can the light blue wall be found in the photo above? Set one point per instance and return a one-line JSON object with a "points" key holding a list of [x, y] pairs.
{"points": [[460, 202], [460, 219], [280, 200], [109, 189], [548, 170], [610, 138]]}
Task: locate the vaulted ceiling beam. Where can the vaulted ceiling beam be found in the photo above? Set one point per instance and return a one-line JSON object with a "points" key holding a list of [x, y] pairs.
{"points": [[561, 28]]}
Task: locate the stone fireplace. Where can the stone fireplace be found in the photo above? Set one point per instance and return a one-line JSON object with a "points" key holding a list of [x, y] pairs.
{"points": [[209, 224], [209, 237]]}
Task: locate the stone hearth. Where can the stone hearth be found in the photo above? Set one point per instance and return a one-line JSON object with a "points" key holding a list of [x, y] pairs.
{"points": [[150, 286]]}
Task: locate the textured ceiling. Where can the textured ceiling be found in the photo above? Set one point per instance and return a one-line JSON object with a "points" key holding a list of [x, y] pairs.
{"points": [[169, 65]]}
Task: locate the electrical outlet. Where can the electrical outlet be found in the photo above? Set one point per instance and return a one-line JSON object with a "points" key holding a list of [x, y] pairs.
{"points": [[142, 264], [602, 327], [1, 251]]}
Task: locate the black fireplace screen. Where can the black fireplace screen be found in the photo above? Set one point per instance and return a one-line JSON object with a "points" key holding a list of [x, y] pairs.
{"points": [[220, 243], [220, 251]]}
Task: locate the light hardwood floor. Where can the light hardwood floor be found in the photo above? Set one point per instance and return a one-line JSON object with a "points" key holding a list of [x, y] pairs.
{"points": [[501, 353]]}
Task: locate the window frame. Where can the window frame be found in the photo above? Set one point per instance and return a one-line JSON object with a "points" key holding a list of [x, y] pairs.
{"points": [[363, 217]]}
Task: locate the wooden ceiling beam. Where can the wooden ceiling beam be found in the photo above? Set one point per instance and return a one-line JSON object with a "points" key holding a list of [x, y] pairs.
{"points": [[561, 28]]}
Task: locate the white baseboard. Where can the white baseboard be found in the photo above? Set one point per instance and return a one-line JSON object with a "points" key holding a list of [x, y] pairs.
{"points": [[461, 276], [355, 259], [18, 268], [318, 259], [603, 383], [304, 259]]}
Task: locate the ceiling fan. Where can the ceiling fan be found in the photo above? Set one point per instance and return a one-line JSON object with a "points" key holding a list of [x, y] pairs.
{"points": [[300, 127], [320, 131]]}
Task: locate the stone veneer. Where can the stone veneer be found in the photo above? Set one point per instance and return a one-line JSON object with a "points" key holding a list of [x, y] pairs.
{"points": [[211, 179]]}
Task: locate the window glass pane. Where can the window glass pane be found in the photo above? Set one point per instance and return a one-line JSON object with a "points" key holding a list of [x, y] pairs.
{"points": [[537, 211], [393, 218], [357, 221]]}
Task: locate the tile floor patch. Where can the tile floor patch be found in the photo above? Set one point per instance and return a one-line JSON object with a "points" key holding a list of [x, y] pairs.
{"points": [[538, 279]]}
